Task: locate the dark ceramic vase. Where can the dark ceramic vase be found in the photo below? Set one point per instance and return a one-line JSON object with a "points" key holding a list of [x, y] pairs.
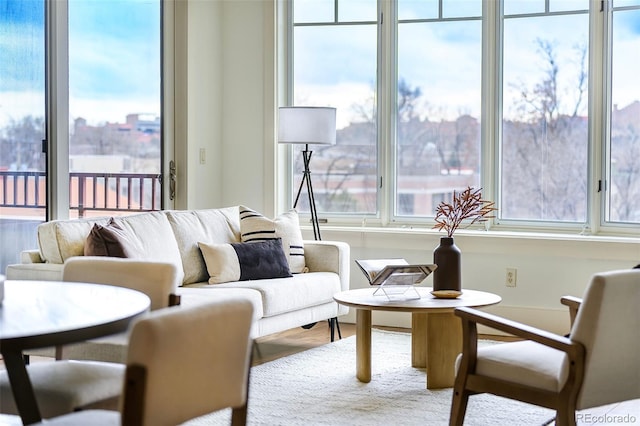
{"points": [[447, 256]]}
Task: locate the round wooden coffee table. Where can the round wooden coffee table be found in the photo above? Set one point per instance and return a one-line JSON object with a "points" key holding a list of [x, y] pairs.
{"points": [[436, 333]]}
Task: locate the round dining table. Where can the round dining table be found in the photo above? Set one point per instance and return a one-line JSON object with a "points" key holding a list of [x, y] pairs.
{"points": [[40, 314]]}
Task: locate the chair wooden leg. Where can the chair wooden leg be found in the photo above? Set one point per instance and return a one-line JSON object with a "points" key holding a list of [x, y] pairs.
{"points": [[239, 416], [458, 407], [565, 417]]}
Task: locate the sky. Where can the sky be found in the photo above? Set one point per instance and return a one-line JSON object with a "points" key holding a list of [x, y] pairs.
{"points": [[115, 56], [114, 59], [336, 65]]}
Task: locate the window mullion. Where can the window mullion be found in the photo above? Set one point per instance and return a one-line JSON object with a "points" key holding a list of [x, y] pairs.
{"points": [[57, 109], [491, 109], [599, 104], [387, 89]]}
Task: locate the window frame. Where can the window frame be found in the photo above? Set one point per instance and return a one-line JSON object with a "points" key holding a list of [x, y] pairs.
{"points": [[598, 110]]}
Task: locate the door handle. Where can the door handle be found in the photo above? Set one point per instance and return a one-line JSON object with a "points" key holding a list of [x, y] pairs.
{"points": [[172, 180]]}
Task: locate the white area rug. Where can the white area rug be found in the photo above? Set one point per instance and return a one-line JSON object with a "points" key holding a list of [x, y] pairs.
{"points": [[319, 387]]}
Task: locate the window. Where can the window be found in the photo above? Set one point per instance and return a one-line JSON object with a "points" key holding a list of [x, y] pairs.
{"points": [[434, 96], [544, 146], [114, 106], [437, 138], [103, 117], [623, 176], [335, 64], [22, 127]]}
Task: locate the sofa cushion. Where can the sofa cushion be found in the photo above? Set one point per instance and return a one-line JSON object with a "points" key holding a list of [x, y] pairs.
{"points": [[198, 293], [283, 295], [217, 226], [59, 240], [152, 231], [110, 240], [255, 227]]}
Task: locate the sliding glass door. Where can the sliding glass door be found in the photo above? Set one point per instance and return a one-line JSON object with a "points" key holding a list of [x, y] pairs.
{"points": [[80, 113], [22, 125]]}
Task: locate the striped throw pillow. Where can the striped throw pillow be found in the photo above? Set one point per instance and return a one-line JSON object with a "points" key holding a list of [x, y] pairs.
{"points": [[255, 227]]}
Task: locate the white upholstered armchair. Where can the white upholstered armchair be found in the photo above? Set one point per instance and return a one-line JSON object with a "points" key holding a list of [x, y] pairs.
{"points": [[182, 363], [65, 386], [597, 364]]}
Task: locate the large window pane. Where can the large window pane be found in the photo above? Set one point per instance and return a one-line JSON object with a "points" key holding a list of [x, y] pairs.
{"points": [[438, 118], [336, 66], [544, 127], [22, 115], [624, 189], [114, 105]]}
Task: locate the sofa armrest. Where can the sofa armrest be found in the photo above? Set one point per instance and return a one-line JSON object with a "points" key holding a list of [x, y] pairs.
{"points": [[35, 271], [329, 256], [30, 256]]}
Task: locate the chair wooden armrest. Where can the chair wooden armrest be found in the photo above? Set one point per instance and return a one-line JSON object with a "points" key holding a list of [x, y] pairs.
{"points": [[174, 299], [473, 316], [574, 304]]}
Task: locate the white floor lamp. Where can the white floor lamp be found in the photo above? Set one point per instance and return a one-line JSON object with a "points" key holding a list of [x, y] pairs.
{"points": [[307, 125]]}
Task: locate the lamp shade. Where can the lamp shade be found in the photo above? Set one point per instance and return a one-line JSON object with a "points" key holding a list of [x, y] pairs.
{"points": [[307, 125]]}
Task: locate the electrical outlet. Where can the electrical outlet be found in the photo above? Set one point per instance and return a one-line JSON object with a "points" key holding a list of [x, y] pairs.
{"points": [[511, 278]]}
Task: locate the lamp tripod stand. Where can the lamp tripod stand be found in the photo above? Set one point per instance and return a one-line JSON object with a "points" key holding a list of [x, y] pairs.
{"points": [[306, 177]]}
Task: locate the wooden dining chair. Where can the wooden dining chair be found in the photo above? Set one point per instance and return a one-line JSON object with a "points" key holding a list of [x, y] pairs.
{"points": [[64, 386], [597, 364], [182, 363]]}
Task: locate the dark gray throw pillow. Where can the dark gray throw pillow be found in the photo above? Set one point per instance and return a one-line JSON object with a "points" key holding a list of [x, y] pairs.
{"points": [[263, 259], [245, 261]]}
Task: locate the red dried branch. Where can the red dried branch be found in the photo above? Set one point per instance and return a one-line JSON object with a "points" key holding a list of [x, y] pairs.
{"points": [[467, 205]]}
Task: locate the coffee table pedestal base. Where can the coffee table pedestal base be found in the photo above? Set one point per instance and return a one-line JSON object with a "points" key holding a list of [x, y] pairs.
{"points": [[363, 345], [436, 333], [436, 341]]}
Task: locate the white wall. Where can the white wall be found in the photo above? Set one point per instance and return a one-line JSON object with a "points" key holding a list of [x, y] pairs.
{"points": [[204, 123], [231, 106], [548, 266]]}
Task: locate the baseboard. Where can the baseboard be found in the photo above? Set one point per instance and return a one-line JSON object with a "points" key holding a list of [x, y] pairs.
{"points": [[553, 320]]}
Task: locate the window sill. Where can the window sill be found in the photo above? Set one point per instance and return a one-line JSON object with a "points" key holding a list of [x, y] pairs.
{"points": [[407, 240]]}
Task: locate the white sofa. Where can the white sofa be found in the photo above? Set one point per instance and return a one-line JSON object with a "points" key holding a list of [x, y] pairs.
{"points": [[173, 236]]}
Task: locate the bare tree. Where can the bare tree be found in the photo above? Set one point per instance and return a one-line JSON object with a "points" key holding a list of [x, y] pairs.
{"points": [[21, 144], [544, 149], [624, 184]]}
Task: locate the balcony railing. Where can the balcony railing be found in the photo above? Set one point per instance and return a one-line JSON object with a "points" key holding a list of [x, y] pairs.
{"points": [[132, 192]]}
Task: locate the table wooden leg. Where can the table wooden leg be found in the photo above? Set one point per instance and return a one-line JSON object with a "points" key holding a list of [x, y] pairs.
{"points": [[444, 343], [419, 340], [363, 345], [21, 387]]}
